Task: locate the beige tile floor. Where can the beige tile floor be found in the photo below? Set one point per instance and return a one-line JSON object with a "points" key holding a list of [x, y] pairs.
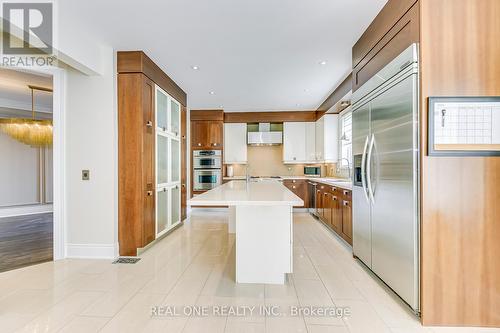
{"points": [[195, 266]]}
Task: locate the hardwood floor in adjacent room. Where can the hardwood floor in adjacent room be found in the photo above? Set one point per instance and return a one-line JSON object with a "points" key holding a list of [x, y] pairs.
{"points": [[195, 266], [25, 240]]}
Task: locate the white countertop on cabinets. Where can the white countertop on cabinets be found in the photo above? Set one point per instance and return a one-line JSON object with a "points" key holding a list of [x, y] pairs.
{"points": [[338, 182], [255, 192]]}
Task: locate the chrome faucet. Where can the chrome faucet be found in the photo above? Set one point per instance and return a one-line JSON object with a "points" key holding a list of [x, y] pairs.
{"points": [[339, 166]]}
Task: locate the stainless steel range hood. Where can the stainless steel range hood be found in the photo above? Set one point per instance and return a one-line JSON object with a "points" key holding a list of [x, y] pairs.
{"points": [[265, 137]]}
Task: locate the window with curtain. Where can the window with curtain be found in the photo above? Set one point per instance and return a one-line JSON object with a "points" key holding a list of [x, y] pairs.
{"points": [[346, 138]]}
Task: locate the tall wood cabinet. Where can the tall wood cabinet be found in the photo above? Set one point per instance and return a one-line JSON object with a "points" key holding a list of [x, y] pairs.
{"points": [[151, 139], [207, 133]]}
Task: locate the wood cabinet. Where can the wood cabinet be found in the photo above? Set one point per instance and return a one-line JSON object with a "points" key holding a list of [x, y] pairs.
{"points": [[207, 134], [137, 191], [235, 143], [347, 220], [319, 200], [327, 207], [335, 210], [393, 30], [300, 188], [336, 221], [199, 134]]}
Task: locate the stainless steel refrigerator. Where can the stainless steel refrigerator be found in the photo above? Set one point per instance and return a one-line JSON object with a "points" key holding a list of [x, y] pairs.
{"points": [[386, 175]]}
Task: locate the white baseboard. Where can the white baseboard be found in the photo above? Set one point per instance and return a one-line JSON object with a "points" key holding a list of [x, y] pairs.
{"points": [[26, 210], [92, 251]]}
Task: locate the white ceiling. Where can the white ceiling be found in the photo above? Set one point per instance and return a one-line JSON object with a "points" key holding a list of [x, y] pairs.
{"points": [[15, 94], [255, 55]]}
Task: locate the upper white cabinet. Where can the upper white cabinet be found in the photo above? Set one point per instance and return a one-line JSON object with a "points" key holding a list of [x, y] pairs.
{"points": [[294, 142], [235, 143], [309, 142], [327, 138], [320, 139]]}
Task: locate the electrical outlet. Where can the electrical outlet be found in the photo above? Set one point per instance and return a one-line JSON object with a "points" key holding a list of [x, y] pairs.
{"points": [[85, 174]]}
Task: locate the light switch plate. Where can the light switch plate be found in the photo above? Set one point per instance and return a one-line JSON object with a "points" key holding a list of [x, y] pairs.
{"points": [[85, 174]]}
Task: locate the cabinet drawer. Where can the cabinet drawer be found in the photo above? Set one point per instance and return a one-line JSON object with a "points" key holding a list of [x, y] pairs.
{"points": [[346, 194]]}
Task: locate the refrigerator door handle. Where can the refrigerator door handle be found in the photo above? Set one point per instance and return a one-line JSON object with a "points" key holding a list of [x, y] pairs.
{"points": [[363, 170], [369, 169]]}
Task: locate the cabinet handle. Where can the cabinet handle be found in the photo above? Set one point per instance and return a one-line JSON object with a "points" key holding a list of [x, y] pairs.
{"points": [[149, 193], [164, 129], [294, 186], [199, 144], [214, 144], [183, 185], [294, 181], [295, 158], [184, 137], [346, 192], [346, 203], [334, 189], [149, 123], [334, 198]]}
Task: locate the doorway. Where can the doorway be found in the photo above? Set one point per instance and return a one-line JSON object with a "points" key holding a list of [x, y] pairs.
{"points": [[26, 169]]}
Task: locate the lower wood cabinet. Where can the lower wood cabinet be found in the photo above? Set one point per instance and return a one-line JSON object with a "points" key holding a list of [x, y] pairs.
{"points": [[299, 187], [333, 205], [336, 220], [336, 210], [347, 220]]}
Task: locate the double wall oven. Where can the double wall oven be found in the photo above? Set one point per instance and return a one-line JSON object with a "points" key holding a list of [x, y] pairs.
{"points": [[207, 169]]}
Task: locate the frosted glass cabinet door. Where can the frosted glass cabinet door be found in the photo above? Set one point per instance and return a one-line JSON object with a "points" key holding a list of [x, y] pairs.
{"points": [[175, 159], [175, 197], [175, 117], [162, 214], [161, 159], [161, 109]]}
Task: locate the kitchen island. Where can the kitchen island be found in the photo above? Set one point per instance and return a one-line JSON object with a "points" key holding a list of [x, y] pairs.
{"points": [[260, 214]]}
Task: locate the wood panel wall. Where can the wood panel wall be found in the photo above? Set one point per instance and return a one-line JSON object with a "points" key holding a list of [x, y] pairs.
{"points": [[340, 91], [270, 116], [460, 247]]}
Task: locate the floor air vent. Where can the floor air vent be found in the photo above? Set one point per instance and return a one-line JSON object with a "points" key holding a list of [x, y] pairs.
{"points": [[127, 260]]}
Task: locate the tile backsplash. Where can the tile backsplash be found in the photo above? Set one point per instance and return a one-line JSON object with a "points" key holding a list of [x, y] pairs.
{"points": [[268, 161]]}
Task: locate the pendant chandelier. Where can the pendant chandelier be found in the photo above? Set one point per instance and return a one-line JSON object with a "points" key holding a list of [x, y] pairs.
{"points": [[33, 132]]}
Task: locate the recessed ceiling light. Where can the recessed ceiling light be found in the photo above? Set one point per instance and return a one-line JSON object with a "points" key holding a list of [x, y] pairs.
{"points": [[323, 62], [195, 68], [212, 93], [306, 90]]}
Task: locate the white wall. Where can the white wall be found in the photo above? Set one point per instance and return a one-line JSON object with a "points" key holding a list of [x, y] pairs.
{"points": [[19, 168], [91, 143]]}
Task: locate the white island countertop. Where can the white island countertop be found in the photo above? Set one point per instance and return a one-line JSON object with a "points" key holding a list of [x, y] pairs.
{"points": [[253, 193]]}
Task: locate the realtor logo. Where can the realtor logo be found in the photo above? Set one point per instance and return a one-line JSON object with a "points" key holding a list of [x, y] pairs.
{"points": [[35, 20]]}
